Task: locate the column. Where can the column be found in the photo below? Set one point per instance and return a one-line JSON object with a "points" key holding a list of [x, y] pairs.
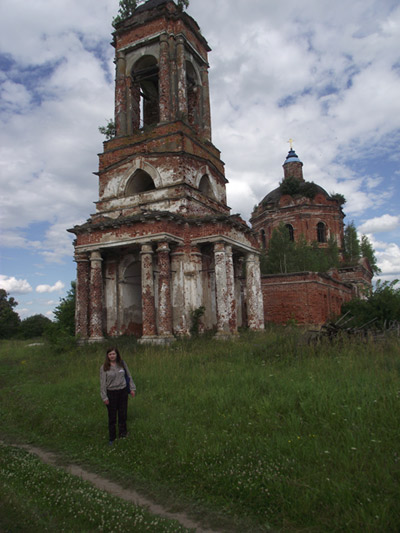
{"points": [[206, 115], [164, 291], [96, 297], [179, 321], [181, 64], [148, 309], [82, 296], [120, 95], [221, 289], [255, 311], [230, 290], [164, 80]]}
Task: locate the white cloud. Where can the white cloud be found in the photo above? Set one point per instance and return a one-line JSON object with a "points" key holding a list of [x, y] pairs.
{"points": [[378, 224], [58, 286], [13, 285]]}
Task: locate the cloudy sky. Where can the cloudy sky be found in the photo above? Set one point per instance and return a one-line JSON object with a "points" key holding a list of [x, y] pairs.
{"points": [[326, 74]]}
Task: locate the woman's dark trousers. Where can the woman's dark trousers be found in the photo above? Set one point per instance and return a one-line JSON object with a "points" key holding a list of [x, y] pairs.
{"points": [[118, 406]]}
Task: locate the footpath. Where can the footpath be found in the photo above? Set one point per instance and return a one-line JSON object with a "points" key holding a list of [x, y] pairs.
{"points": [[115, 489]]}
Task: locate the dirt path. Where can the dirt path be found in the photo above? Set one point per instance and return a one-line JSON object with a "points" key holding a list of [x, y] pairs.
{"points": [[128, 495]]}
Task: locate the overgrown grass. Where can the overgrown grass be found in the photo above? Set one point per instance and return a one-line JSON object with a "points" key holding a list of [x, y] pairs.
{"points": [[266, 429], [35, 497]]}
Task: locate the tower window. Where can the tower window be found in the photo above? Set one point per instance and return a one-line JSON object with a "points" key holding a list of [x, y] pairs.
{"points": [[192, 94], [290, 229], [141, 181], [205, 186], [145, 91], [263, 239], [321, 232]]}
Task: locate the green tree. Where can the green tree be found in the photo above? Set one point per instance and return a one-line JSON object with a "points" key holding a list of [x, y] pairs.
{"points": [[383, 304], [64, 313], [127, 8], [280, 252], [352, 251], [368, 252], [109, 130], [9, 319], [34, 326]]}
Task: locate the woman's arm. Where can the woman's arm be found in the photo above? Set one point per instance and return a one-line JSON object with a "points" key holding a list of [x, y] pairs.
{"points": [[103, 385]]}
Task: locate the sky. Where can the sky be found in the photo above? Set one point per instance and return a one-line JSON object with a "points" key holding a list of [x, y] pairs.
{"points": [[325, 74]]}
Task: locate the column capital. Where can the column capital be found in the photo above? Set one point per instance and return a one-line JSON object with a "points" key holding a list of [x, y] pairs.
{"points": [[146, 249], [95, 256], [81, 257]]}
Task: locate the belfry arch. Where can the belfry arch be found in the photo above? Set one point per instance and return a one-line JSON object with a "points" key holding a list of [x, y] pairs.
{"points": [[140, 181], [145, 92]]}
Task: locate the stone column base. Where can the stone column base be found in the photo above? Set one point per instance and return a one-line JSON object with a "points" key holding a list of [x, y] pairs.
{"points": [[156, 339], [92, 340]]}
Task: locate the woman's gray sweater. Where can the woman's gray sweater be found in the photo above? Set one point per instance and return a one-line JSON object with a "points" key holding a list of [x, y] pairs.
{"points": [[114, 379]]}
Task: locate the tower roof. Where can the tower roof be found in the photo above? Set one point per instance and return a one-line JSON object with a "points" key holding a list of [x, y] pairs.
{"points": [[292, 157]]}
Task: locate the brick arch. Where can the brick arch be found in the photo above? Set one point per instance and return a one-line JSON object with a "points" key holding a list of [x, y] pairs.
{"points": [[139, 166], [204, 176]]}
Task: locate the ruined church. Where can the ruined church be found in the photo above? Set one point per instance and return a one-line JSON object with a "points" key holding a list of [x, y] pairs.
{"points": [[162, 244]]}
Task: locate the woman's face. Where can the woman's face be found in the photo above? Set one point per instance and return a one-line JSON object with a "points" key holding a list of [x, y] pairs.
{"points": [[112, 356]]}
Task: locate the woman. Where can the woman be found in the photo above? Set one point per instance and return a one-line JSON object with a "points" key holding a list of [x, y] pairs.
{"points": [[114, 392]]}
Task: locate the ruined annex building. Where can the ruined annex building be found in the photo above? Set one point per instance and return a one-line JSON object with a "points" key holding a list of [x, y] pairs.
{"points": [[162, 242], [309, 213]]}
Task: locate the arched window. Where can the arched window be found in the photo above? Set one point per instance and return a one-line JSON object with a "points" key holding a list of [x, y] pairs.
{"points": [[321, 232], [145, 91], [141, 181], [205, 186], [263, 239], [290, 229], [192, 86]]}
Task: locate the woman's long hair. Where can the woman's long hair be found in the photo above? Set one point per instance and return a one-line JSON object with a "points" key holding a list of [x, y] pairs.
{"points": [[107, 363]]}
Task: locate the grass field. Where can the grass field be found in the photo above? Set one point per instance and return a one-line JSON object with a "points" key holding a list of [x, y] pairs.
{"points": [[266, 431]]}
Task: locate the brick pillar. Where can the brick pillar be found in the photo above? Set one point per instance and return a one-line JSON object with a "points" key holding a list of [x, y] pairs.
{"points": [[181, 65], [148, 309], [221, 289], [82, 296], [173, 73], [255, 312], [206, 115], [164, 291], [230, 290], [164, 80], [179, 322], [96, 297], [120, 95], [134, 107]]}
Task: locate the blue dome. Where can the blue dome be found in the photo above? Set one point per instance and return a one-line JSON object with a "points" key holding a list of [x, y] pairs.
{"points": [[291, 157]]}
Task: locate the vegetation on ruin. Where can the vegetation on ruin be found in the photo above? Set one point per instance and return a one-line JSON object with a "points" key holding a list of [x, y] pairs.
{"points": [[285, 256], [127, 8], [109, 130], [293, 186], [262, 433]]}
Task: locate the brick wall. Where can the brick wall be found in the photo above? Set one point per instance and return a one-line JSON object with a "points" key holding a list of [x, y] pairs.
{"points": [[307, 297]]}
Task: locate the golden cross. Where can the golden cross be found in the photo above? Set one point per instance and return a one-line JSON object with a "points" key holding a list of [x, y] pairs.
{"points": [[290, 141]]}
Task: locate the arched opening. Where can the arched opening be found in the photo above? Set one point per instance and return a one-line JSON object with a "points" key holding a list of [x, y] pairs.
{"points": [[141, 181], [205, 186], [263, 239], [321, 232], [146, 91], [192, 95], [131, 296], [290, 230]]}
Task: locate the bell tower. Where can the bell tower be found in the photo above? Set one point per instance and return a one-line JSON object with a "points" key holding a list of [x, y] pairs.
{"points": [[162, 242], [162, 156]]}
